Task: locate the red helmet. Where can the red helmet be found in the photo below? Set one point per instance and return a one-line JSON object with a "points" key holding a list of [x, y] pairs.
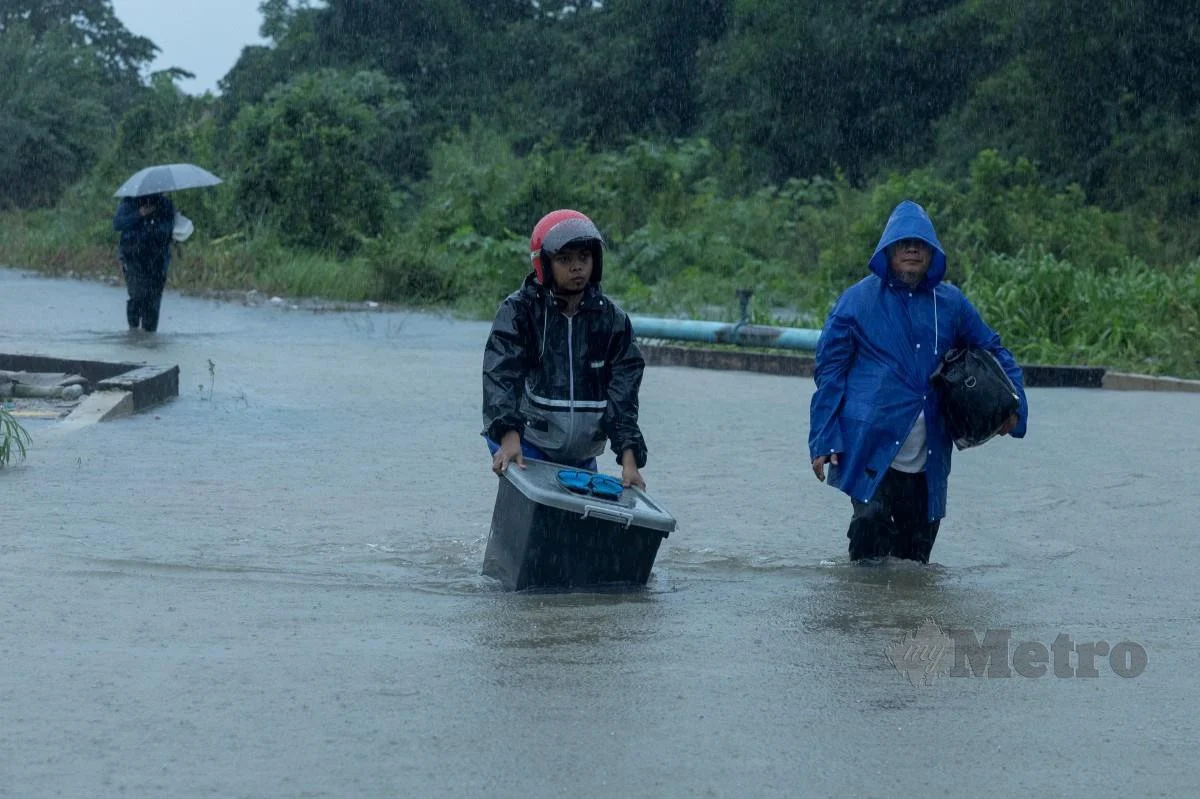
{"points": [[557, 229]]}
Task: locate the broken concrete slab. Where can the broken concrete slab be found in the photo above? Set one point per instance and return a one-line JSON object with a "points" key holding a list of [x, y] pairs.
{"points": [[116, 388], [100, 406], [149, 385]]}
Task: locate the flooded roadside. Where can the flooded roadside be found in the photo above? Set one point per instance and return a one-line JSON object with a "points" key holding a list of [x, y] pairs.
{"points": [[270, 587]]}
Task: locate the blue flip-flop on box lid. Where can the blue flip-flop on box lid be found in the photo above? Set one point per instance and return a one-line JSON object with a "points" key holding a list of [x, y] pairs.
{"points": [[599, 485]]}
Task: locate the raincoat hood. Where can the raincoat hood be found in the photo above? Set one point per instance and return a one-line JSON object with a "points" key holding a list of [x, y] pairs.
{"points": [[909, 221]]}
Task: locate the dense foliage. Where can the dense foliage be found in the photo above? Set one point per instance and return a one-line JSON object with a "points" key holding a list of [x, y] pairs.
{"points": [[402, 151]]}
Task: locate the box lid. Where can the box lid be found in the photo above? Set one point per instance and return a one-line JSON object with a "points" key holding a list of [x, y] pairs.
{"points": [[538, 481]]}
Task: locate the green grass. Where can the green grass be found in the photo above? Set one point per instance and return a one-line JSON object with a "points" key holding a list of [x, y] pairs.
{"points": [[57, 244], [13, 439], [1128, 315]]}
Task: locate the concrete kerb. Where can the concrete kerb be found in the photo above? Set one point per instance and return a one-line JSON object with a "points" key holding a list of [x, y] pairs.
{"points": [[1036, 375], [1124, 381], [117, 389]]}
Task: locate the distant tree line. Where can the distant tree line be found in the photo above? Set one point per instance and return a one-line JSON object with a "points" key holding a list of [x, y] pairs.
{"points": [[1105, 96], [403, 150]]}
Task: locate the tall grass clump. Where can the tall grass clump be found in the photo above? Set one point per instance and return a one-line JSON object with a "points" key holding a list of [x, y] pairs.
{"points": [[13, 438], [1134, 316]]}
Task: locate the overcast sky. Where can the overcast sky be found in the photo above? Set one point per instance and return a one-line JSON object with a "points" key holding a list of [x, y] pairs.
{"points": [[204, 37]]}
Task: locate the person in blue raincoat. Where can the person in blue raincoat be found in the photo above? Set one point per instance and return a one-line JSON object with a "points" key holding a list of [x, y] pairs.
{"points": [[146, 224], [875, 419]]}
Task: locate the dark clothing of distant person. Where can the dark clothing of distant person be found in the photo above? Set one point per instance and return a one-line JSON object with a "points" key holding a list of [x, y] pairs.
{"points": [[146, 225]]}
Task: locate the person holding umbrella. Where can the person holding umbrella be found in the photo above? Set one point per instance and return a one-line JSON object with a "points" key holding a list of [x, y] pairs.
{"points": [[148, 222]]}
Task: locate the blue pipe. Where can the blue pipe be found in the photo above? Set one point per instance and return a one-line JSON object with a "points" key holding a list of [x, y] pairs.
{"points": [[792, 338]]}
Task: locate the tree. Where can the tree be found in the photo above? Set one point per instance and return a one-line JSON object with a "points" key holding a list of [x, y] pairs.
{"points": [[311, 157], [803, 87], [70, 68], [88, 26], [1086, 91], [53, 127], [446, 52], [603, 74], [429, 46]]}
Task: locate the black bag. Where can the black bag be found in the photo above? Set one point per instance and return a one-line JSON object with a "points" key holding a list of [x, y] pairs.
{"points": [[977, 395]]}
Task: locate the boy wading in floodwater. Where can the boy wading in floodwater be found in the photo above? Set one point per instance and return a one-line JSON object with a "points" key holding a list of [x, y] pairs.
{"points": [[561, 370]]}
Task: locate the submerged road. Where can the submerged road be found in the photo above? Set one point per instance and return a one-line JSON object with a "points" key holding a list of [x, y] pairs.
{"points": [[269, 587]]}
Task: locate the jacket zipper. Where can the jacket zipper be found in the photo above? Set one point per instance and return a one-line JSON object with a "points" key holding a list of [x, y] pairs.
{"points": [[571, 375], [571, 361]]}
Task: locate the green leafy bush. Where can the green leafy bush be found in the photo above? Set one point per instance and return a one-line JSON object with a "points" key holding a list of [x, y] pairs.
{"points": [[308, 158]]}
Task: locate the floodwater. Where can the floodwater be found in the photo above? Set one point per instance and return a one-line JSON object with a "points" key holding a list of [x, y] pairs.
{"points": [[269, 587]]}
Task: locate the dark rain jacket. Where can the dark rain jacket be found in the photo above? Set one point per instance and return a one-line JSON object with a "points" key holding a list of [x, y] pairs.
{"points": [[881, 343], [566, 384], [145, 245]]}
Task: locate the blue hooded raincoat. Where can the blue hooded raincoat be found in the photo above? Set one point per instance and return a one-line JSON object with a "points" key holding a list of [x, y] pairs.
{"points": [[879, 346]]}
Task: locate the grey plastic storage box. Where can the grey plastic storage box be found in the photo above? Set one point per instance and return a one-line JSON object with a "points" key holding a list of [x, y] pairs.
{"points": [[546, 536]]}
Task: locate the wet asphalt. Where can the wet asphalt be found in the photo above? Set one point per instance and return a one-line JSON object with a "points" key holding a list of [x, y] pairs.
{"points": [[270, 587]]}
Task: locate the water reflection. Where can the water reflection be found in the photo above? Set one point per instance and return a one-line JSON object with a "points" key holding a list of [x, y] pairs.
{"points": [[893, 597], [569, 627]]}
